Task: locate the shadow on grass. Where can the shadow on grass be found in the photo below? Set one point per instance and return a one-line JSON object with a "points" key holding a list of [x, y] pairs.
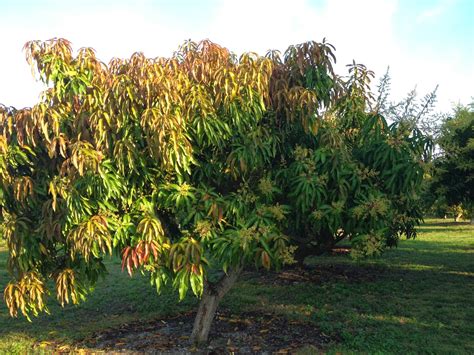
{"points": [[117, 299], [419, 295], [446, 226], [445, 223], [398, 310], [411, 255], [439, 230]]}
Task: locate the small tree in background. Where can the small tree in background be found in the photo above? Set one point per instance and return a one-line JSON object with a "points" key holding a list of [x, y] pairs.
{"points": [[453, 175], [192, 166], [412, 112]]}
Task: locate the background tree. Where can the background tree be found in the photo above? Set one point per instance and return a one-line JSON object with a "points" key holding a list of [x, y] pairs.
{"points": [[192, 166], [411, 111], [453, 175]]}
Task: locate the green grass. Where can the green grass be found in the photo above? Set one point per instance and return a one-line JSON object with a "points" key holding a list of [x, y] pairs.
{"points": [[419, 298]]}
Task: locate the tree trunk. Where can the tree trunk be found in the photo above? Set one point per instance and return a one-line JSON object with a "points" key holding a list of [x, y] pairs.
{"points": [[326, 243], [204, 317], [211, 296], [303, 251]]}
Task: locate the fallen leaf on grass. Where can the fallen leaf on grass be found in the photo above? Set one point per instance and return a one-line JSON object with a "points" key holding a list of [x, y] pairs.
{"points": [[45, 344]]}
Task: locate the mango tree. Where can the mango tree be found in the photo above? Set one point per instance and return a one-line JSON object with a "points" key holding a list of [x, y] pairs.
{"points": [[453, 169], [191, 167], [343, 172]]}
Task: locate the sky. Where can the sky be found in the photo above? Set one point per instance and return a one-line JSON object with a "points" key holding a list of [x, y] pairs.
{"points": [[425, 42]]}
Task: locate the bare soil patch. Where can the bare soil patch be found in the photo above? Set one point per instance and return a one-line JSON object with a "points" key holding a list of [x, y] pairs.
{"points": [[243, 333]]}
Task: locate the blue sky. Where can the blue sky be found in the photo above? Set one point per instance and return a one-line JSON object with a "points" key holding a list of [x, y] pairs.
{"points": [[425, 43]]}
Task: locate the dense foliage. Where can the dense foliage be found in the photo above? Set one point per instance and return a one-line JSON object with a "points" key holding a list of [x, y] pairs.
{"points": [[196, 163], [452, 181], [356, 177]]}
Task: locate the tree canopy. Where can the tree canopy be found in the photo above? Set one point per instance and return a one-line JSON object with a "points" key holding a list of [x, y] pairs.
{"points": [[192, 166], [453, 173]]}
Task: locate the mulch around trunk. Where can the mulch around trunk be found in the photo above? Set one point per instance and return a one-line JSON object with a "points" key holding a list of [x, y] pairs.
{"points": [[248, 332], [262, 333]]}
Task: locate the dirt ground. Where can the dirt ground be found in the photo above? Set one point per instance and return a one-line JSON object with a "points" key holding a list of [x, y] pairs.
{"points": [[243, 333], [255, 332]]}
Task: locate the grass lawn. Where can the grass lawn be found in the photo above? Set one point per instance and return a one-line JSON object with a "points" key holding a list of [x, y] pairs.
{"points": [[418, 297]]}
